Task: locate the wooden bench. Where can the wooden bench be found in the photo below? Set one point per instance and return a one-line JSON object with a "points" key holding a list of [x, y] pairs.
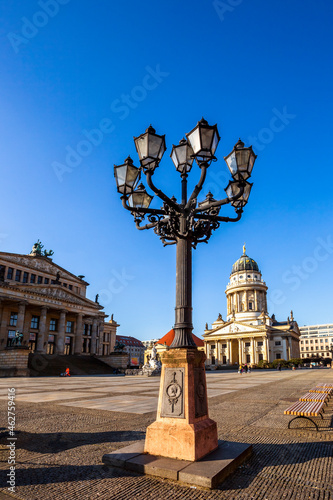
{"points": [[322, 390], [305, 409], [314, 396]]}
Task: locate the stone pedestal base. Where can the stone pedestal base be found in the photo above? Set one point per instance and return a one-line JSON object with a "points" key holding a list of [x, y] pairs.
{"points": [[206, 473], [182, 429], [14, 362]]}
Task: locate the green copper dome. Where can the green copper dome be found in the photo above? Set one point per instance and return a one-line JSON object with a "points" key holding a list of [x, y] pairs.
{"points": [[245, 263]]}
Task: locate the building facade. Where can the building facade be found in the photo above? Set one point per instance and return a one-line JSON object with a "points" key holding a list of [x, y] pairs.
{"points": [[164, 344], [249, 334], [134, 348], [316, 341], [48, 306]]}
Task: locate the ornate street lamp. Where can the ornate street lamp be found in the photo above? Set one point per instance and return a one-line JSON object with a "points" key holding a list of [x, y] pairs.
{"points": [[187, 223], [127, 176], [331, 351], [240, 161], [183, 393], [150, 148]]}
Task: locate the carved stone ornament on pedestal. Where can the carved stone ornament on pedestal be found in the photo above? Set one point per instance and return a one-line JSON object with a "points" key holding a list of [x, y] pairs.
{"points": [[173, 395]]}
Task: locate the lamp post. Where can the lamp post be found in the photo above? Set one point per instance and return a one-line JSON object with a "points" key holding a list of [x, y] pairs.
{"points": [[188, 222], [183, 223], [331, 351]]}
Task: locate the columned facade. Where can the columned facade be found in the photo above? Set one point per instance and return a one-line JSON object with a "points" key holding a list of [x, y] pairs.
{"points": [[249, 335], [48, 305]]}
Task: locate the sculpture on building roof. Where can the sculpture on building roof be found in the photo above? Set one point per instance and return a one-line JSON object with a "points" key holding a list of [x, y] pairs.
{"points": [[37, 250], [244, 249]]}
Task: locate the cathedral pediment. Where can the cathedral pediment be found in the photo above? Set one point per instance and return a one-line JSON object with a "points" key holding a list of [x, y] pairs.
{"points": [[233, 327]]}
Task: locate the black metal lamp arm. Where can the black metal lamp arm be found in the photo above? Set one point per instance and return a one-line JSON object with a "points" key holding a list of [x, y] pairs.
{"points": [[135, 210], [218, 218], [219, 203], [160, 194], [199, 186]]}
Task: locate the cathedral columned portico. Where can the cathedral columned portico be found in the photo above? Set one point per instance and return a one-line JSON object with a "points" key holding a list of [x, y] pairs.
{"points": [[249, 335]]}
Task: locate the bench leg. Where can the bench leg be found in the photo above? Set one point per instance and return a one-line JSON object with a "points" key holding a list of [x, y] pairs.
{"points": [[307, 418]]}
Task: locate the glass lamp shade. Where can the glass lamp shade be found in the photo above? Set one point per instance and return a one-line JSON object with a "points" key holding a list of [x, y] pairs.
{"points": [[204, 139], [127, 176], [150, 148], [233, 189], [182, 156], [140, 198], [240, 161]]}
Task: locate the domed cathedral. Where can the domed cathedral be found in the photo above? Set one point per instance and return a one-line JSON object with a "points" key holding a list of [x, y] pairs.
{"points": [[249, 334]]}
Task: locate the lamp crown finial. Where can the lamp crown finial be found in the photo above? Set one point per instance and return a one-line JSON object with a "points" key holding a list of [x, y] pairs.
{"points": [[151, 129], [239, 144]]}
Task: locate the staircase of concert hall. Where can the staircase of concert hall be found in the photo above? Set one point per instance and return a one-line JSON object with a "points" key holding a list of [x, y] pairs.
{"points": [[43, 365]]}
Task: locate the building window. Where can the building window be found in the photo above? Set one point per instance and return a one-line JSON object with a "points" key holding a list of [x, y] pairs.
{"points": [[247, 344], [32, 278], [18, 275], [250, 306], [224, 346], [260, 343], [46, 281], [40, 280], [53, 325], [70, 287], [70, 327], [87, 329], [277, 355], [212, 346], [34, 322], [278, 342], [213, 360], [65, 285], [261, 357], [248, 358], [25, 277], [13, 319], [224, 360], [10, 273], [321, 341]]}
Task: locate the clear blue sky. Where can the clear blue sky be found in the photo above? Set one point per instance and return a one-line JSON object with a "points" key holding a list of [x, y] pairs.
{"points": [[71, 66]]}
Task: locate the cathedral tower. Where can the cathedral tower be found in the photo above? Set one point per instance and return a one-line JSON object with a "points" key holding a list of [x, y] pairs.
{"points": [[246, 291]]}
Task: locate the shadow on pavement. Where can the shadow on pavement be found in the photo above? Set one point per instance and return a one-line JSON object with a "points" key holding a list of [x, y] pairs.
{"points": [[265, 455], [60, 441]]}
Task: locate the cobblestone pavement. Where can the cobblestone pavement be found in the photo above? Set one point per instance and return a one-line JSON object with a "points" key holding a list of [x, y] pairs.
{"points": [[62, 437]]}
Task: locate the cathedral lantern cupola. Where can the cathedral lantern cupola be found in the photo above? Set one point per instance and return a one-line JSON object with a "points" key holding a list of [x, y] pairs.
{"points": [[246, 291]]}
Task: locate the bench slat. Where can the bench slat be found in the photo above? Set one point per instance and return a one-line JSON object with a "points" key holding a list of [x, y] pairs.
{"points": [[305, 408], [314, 396]]}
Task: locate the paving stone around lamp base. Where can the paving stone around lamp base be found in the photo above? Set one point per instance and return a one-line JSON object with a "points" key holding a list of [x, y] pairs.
{"points": [[208, 472]]}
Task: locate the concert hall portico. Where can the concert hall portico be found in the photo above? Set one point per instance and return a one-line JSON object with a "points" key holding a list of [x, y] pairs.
{"points": [[48, 305]]}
